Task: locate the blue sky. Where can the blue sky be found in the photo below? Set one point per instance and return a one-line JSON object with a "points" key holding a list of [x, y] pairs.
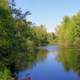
{"points": [[49, 12]]}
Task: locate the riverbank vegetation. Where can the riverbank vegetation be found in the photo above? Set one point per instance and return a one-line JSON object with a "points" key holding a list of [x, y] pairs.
{"points": [[68, 32], [18, 35]]}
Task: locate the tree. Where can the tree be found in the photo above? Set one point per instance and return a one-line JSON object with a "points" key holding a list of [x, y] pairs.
{"points": [[69, 31]]}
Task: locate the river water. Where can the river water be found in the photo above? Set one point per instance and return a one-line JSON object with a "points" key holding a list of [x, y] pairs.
{"points": [[52, 63]]}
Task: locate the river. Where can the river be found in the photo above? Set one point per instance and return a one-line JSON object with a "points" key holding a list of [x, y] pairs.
{"points": [[51, 63]]}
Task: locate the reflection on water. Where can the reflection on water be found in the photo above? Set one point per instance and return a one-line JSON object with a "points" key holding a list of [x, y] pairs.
{"points": [[52, 63], [70, 58], [45, 63]]}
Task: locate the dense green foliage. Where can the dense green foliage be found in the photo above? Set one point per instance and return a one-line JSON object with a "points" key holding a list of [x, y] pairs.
{"points": [[68, 33], [16, 33], [17, 37], [5, 74]]}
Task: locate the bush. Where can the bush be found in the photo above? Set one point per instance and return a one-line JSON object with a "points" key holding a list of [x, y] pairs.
{"points": [[5, 74]]}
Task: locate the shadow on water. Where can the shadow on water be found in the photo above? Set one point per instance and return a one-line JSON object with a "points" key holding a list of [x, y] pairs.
{"points": [[70, 59], [16, 62], [39, 56], [44, 63]]}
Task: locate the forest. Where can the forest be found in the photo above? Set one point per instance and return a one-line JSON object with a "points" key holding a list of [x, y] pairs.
{"points": [[68, 32], [18, 35]]}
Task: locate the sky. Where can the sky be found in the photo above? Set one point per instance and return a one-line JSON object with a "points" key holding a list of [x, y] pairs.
{"points": [[48, 12]]}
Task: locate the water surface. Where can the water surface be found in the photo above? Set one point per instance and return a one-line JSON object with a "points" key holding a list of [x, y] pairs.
{"points": [[52, 63]]}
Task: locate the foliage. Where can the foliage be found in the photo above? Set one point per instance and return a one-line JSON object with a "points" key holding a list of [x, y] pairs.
{"points": [[68, 33], [17, 35], [5, 74], [39, 35]]}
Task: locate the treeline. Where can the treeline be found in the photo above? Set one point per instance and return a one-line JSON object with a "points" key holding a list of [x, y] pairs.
{"points": [[16, 33], [68, 32]]}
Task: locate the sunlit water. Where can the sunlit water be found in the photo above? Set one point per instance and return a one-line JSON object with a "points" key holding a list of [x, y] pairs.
{"points": [[53, 64]]}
